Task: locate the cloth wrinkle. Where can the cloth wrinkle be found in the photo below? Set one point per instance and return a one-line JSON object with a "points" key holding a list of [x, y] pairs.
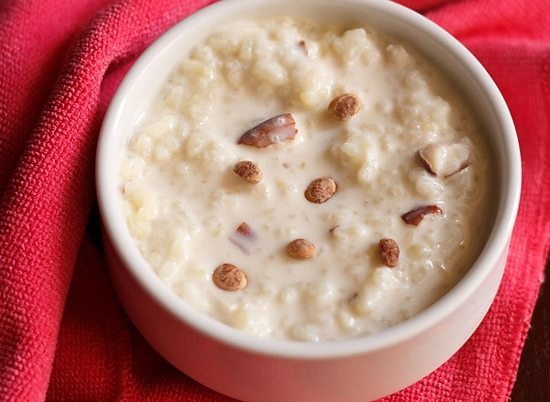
{"points": [[64, 334]]}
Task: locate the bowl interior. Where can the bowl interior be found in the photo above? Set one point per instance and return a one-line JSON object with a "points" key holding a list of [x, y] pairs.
{"points": [[145, 79]]}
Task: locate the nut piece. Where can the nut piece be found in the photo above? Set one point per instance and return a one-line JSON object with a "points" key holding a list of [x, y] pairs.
{"points": [[344, 106], [302, 45], [245, 230], [301, 249], [273, 131], [389, 251], [229, 277], [444, 160], [415, 216], [249, 171], [320, 190], [243, 237]]}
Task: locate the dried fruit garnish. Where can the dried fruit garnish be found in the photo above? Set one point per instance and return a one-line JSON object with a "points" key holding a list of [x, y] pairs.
{"points": [[243, 237], [415, 216], [301, 249], [320, 190], [444, 160], [273, 131], [229, 277], [344, 106], [302, 44], [245, 230], [389, 252], [249, 171]]}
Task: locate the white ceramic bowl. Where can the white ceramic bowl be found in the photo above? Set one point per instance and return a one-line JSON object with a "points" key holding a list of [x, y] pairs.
{"points": [[253, 369]]}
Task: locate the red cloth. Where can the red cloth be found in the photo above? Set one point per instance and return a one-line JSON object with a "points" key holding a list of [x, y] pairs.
{"points": [[63, 334]]}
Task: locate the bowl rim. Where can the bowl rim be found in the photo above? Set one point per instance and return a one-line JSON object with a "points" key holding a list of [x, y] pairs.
{"points": [[494, 249]]}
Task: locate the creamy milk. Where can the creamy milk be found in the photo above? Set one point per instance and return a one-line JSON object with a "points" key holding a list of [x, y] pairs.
{"points": [[184, 202]]}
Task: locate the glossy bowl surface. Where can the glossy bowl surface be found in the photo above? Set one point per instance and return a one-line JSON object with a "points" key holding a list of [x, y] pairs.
{"points": [[253, 369]]}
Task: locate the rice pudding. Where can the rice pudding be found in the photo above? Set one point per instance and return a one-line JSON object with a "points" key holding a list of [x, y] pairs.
{"points": [[308, 182]]}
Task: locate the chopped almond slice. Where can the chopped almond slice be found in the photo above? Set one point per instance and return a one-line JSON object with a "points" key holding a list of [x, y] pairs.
{"points": [[229, 277], [273, 131], [444, 160], [243, 237], [245, 230], [415, 216], [302, 44]]}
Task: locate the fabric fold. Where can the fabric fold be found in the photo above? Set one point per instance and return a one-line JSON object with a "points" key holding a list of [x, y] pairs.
{"points": [[63, 333]]}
